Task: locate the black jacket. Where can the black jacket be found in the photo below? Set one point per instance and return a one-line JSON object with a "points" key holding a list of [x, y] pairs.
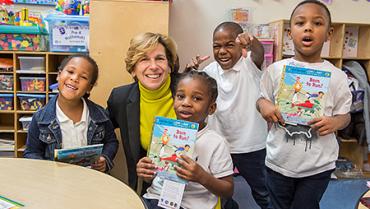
{"points": [[124, 112]]}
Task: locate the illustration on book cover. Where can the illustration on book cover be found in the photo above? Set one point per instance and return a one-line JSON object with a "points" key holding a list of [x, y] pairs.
{"points": [[170, 139], [301, 94]]}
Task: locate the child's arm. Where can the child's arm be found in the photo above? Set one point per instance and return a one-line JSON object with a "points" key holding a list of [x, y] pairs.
{"points": [[248, 41], [329, 124], [145, 169], [195, 62], [191, 171], [35, 148], [109, 149], [269, 111]]}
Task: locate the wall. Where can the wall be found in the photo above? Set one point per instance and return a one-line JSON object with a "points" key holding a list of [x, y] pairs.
{"points": [[192, 21]]}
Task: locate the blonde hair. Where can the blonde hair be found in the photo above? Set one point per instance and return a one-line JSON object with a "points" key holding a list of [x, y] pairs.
{"points": [[145, 42]]}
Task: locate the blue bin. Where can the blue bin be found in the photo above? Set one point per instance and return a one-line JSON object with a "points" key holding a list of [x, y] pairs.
{"points": [[68, 33], [6, 101]]}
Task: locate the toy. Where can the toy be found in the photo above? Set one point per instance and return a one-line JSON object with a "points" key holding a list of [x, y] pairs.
{"points": [[69, 7], [4, 16]]}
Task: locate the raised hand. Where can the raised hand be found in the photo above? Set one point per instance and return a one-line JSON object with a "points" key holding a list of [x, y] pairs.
{"points": [[196, 62]]}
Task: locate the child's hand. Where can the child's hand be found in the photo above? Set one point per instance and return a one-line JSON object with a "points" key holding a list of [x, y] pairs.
{"points": [[189, 170], [269, 111], [196, 62], [324, 125], [145, 168], [100, 164], [245, 40]]}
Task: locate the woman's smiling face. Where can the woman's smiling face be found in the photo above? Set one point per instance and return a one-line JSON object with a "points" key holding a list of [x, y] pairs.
{"points": [[153, 70]]}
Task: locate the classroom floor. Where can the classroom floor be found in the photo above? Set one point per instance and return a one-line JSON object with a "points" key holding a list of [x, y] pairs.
{"points": [[340, 194]]}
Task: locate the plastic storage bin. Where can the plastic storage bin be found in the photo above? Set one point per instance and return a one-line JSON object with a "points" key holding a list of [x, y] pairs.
{"points": [[23, 38], [31, 101], [25, 122], [6, 101], [6, 82], [68, 33], [32, 63], [268, 60], [268, 46], [32, 83]]}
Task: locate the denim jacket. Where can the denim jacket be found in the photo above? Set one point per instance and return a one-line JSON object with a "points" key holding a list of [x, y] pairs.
{"points": [[44, 134]]}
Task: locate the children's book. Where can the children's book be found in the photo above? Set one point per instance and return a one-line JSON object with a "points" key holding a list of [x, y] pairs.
{"points": [[301, 94], [83, 156], [170, 139], [6, 203]]}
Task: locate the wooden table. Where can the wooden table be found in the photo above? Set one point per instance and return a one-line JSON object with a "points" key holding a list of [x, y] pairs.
{"points": [[361, 206], [46, 184]]}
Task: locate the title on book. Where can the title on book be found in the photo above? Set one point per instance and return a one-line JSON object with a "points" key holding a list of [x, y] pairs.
{"points": [[181, 135]]}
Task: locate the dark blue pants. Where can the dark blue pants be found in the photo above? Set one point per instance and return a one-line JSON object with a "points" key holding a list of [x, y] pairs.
{"points": [[251, 167], [296, 193], [152, 203]]}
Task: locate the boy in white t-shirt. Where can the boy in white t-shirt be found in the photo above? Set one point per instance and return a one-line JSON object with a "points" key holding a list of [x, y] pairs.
{"points": [[238, 75], [210, 171], [299, 164]]}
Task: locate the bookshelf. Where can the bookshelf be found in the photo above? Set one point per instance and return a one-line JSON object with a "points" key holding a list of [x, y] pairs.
{"points": [[10, 126], [334, 51], [337, 52]]}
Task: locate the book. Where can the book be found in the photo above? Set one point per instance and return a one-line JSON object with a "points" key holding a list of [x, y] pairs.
{"points": [[301, 94], [6, 203], [171, 138], [83, 156]]}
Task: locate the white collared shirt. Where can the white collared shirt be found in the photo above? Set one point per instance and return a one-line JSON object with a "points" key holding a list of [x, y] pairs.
{"points": [[73, 134], [236, 117]]}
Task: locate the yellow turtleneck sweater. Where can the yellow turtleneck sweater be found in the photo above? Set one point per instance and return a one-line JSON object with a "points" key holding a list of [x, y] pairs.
{"points": [[154, 103]]}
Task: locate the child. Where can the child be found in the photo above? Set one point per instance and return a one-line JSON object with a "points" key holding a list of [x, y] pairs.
{"points": [[210, 174], [236, 118], [297, 178], [69, 119]]}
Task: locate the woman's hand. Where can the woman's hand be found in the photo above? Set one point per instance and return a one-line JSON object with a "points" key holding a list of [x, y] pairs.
{"points": [[145, 169], [100, 164]]}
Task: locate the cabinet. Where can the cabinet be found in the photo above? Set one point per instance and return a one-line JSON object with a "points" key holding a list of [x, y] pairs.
{"points": [[10, 126], [350, 41], [112, 25]]}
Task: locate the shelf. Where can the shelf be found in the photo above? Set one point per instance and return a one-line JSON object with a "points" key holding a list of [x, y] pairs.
{"points": [[31, 92], [6, 111], [6, 129], [26, 112], [22, 131], [6, 92], [30, 72], [22, 148], [356, 58], [6, 72]]}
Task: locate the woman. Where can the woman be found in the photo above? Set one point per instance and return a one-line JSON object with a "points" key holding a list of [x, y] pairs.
{"points": [[151, 61]]}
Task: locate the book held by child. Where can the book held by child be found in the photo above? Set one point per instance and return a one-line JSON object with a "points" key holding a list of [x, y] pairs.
{"points": [[170, 139], [301, 94], [83, 156]]}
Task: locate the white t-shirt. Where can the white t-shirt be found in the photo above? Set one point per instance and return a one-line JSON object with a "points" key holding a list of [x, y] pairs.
{"points": [[212, 154], [300, 157], [236, 117], [73, 134]]}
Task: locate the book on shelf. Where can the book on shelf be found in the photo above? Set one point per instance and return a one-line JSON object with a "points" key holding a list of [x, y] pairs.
{"points": [[171, 138], [83, 156], [6, 203], [301, 94]]}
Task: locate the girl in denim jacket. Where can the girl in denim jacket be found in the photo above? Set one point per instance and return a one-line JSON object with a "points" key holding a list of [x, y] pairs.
{"points": [[69, 119]]}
